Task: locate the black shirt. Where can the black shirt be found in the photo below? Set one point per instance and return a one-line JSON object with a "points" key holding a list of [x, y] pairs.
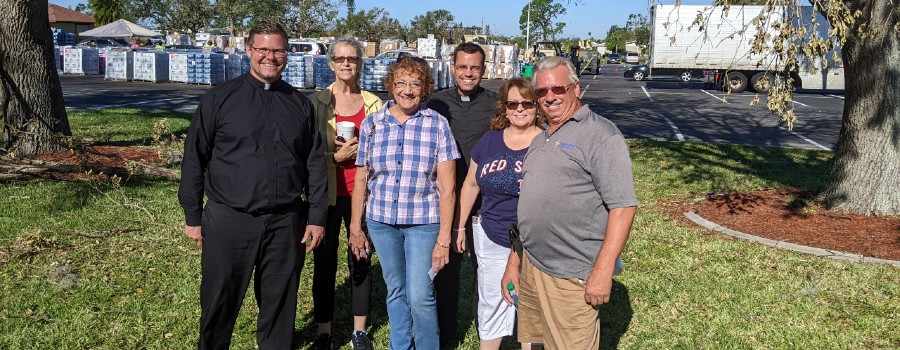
{"points": [[469, 120], [254, 150]]}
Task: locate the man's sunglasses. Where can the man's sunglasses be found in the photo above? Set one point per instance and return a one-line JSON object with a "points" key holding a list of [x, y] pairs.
{"points": [[514, 105], [557, 90], [342, 59]]}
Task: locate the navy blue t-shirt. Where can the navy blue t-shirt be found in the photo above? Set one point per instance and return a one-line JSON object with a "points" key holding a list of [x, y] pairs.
{"points": [[499, 176]]}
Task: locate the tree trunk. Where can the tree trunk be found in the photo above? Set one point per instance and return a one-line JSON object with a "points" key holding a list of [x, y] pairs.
{"points": [[865, 177], [31, 100]]}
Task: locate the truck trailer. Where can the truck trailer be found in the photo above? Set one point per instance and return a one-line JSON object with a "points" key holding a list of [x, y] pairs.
{"points": [[720, 45]]}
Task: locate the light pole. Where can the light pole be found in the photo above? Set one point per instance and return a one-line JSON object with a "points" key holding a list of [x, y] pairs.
{"points": [[528, 31]]}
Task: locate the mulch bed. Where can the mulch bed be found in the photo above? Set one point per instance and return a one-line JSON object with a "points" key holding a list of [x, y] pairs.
{"points": [[112, 157], [793, 216]]}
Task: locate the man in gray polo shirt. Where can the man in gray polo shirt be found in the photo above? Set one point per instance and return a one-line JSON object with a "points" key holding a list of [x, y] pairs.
{"points": [[576, 206]]}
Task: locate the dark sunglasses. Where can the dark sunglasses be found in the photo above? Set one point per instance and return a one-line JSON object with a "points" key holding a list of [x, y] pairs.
{"points": [[557, 90], [342, 59], [514, 105]]}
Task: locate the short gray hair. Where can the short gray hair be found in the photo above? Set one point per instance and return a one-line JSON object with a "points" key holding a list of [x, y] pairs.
{"points": [[553, 62], [349, 40]]}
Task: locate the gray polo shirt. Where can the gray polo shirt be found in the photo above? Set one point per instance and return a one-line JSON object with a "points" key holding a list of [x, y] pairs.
{"points": [[570, 181]]}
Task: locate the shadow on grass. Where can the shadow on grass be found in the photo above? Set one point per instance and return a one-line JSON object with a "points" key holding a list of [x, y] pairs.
{"points": [[126, 127], [615, 317]]}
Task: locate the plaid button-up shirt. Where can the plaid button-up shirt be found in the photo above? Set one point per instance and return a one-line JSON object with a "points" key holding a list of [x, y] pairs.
{"points": [[403, 159]]}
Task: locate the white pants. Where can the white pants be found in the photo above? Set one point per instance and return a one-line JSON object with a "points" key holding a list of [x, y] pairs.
{"points": [[495, 318]]}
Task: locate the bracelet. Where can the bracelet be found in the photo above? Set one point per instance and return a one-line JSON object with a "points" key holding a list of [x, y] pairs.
{"points": [[459, 229], [442, 245]]}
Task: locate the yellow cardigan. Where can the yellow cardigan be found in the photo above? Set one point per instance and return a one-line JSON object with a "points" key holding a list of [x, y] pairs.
{"points": [[321, 101]]}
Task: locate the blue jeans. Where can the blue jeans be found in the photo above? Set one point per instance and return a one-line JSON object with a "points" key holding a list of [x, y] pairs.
{"points": [[404, 252]]}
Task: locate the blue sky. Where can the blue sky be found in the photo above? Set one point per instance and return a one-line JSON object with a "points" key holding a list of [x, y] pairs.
{"points": [[594, 16]]}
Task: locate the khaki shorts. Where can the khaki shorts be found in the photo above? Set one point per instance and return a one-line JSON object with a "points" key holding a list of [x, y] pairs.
{"points": [[552, 311]]}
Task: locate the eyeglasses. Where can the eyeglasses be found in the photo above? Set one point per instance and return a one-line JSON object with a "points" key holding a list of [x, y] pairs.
{"points": [[475, 69], [265, 52], [514, 105], [557, 90], [415, 85], [342, 59]]}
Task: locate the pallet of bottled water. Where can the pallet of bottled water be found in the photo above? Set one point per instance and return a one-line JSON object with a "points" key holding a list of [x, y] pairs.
{"points": [[62, 37], [299, 71], [234, 64], [428, 47], [58, 59], [152, 66], [81, 60], [324, 77], [206, 68], [375, 73], [119, 65], [178, 67]]}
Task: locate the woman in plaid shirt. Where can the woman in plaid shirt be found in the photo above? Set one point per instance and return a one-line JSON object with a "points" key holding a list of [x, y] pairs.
{"points": [[406, 162]]}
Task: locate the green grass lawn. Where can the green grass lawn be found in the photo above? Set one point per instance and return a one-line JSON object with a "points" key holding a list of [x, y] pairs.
{"points": [[104, 265]]}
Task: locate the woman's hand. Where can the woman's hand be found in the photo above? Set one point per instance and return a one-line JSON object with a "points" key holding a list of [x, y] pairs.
{"points": [[440, 255], [346, 150], [359, 245], [458, 239]]}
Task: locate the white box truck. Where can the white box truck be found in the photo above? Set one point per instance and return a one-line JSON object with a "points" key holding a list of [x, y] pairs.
{"points": [[722, 47]]}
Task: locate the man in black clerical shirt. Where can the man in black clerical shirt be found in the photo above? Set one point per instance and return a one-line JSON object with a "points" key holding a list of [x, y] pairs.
{"points": [[468, 109], [253, 149]]}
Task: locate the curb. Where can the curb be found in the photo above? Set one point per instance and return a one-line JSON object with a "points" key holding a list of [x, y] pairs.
{"points": [[825, 253]]}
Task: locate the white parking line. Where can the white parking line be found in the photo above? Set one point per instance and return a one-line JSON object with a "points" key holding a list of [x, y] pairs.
{"points": [[677, 132], [814, 143], [714, 96], [802, 104], [836, 96], [585, 90], [648, 95], [595, 77]]}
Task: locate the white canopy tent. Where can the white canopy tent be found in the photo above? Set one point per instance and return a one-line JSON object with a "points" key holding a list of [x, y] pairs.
{"points": [[119, 29]]}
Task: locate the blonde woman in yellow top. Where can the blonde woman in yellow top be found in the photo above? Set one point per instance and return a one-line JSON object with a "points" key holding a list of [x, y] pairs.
{"points": [[342, 102]]}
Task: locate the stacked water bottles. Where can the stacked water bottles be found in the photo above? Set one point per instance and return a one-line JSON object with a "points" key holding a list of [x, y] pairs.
{"points": [[375, 72], [300, 71], [151, 66], [58, 59], [77, 60], [119, 65], [323, 74], [178, 67], [206, 68], [62, 37], [234, 65]]}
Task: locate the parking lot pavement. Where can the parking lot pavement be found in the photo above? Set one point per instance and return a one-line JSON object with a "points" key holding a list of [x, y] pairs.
{"points": [[658, 110]]}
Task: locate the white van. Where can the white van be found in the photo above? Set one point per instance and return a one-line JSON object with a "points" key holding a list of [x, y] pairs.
{"points": [[632, 57], [307, 47]]}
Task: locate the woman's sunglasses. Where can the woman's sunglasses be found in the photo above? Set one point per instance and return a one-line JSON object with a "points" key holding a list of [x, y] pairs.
{"points": [[514, 105]]}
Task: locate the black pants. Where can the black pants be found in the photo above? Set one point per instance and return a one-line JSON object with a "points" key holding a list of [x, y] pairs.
{"points": [[234, 244], [446, 290], [326, 258]]}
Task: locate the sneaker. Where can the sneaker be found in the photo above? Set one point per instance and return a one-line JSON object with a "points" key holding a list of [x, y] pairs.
{"points": [[323, 342], [359, 340]]}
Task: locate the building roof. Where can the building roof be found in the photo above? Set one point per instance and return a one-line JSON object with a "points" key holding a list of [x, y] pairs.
{"points": [[59, 14]]}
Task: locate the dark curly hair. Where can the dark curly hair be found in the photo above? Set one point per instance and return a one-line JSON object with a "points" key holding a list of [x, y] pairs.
{"points": [[415, 67], [499, 121]]}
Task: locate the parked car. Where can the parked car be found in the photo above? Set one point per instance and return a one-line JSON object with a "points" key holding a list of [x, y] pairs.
{"points": [[632, 57], [638, 72], [613, 58], [104, 42], [307, 47], [398, 53]]}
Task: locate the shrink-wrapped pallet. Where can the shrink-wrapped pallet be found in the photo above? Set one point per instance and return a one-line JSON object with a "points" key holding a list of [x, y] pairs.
{"points": [[152, 66], [428, 47], [178, 67], [58, 59], [299, 71], [62, 37], [389, 44], [507, 53], [489, 53], [322, 73], [375, 73], [233, 64], [81, 60], [119, 65], [370, 48], [447, 52], [206, 68]]}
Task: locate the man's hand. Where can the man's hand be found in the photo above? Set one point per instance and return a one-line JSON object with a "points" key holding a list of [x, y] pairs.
{"points": [[346, 150], [315, 235], [193, 232], [511, 275], [597, 289]]}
